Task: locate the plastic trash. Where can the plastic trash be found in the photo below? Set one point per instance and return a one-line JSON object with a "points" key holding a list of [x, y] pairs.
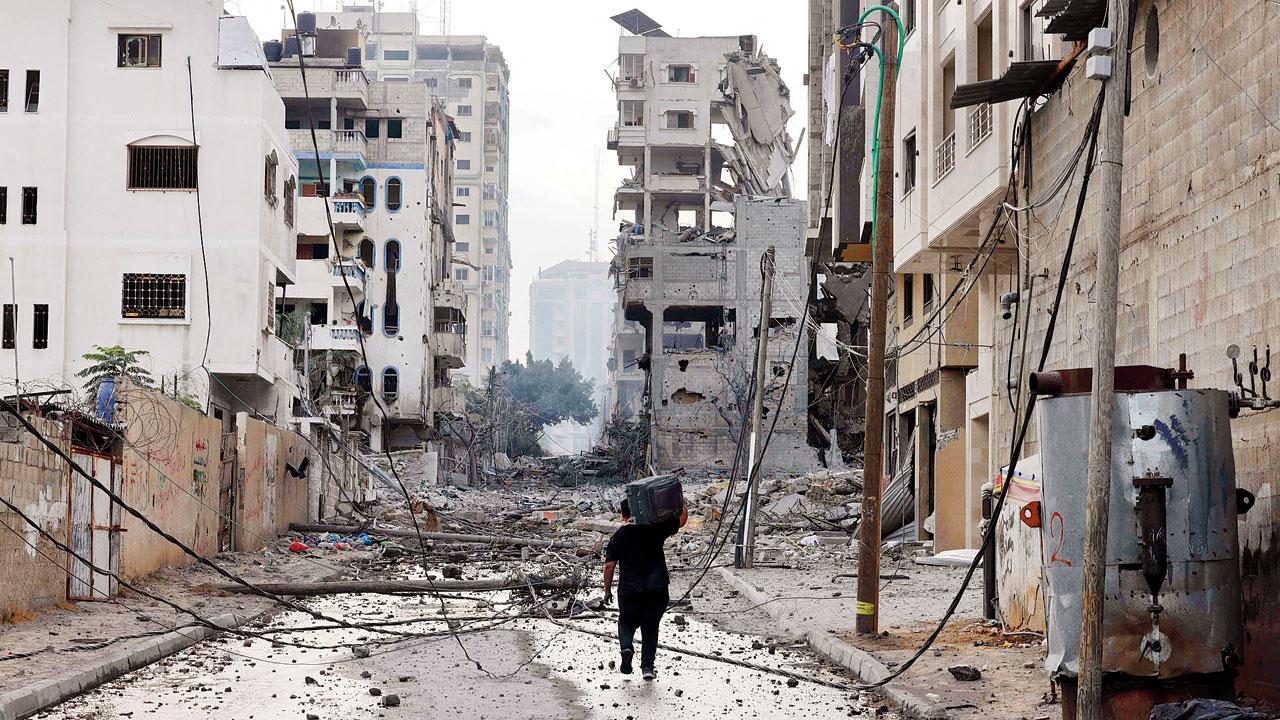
{"points": [[342, 546], [297, 547]]}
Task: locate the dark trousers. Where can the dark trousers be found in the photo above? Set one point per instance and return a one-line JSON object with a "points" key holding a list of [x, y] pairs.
{"points": [[642, 610]]}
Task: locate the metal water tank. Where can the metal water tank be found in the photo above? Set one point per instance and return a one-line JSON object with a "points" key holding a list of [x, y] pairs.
{"points": [[291, 47], [306, 22], [273, 49], [354, 57], [1172, 603]]}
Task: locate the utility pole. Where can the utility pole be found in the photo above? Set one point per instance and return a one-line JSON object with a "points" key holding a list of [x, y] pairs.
{"points": [[1102, 401], [755, 450], [868, 608]]}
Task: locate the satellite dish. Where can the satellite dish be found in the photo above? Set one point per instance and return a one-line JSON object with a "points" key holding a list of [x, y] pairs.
{"points": [[1233, 351]]}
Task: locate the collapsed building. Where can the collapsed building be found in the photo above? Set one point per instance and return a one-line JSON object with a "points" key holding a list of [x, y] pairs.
{"points": [[702, 125]]}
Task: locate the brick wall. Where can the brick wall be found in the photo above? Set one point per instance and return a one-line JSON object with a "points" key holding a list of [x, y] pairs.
{"points": [[1200, 257], [35, 480]]}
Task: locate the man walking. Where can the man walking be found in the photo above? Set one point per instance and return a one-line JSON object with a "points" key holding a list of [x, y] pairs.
{"points": [[642, 589]]}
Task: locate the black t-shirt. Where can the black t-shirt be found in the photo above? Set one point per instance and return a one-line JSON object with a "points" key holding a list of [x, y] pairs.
{"points": [[638, 549]]}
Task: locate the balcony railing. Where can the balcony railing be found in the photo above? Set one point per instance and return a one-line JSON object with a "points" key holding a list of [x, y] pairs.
{"points": [[353, 76], [335, 337], [979, 125], [944, 158], [349, 206], [350, 141], [351, 270]]}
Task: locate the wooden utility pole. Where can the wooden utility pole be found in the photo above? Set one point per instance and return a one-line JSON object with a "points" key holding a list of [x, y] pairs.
{"points": [[868, 610], [755, 450], [1102, 402]]}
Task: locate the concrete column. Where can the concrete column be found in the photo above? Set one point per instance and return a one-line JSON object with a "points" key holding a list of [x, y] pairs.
{"points": [[333, 151]]}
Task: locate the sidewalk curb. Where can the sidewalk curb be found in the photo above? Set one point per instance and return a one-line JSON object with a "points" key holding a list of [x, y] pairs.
{"points": [[40, 695], [861, 663]]}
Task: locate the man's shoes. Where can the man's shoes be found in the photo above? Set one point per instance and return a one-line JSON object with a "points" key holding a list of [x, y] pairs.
{"points": [[626, 661], [648, 673]]}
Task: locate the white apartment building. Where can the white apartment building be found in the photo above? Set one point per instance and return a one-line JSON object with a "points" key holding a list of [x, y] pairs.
{"points": [[471, 77], [384, 152], [118, 220]]}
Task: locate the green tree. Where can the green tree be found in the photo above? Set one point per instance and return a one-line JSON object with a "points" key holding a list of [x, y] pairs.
{"points": [[113, 362], [518, 400]]}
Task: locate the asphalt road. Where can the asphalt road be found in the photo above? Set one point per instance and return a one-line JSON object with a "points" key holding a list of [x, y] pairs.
{"points": [[527, 668]]}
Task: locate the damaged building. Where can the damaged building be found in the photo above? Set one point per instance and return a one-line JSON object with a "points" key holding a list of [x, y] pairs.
{"points": [[702, 125]]}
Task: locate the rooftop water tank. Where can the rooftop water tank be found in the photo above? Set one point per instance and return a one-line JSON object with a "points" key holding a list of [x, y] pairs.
{"points": [[290, 47], [273, 49], [306, 22]]}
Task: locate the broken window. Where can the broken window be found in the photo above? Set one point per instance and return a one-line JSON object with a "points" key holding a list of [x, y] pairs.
{"points": [[392, 259], [290, 190], [395, 128], [639, 267], [697, 328], [4, 90], [390, 384], [269, 177], [927, 287], [909, 15], [33, 91], [679, 119], [163, 167], [391, 319], [28, 206], [366, 252], [363, 379], [372, 128], [394, 188], [680, 74], [153, 295], [909, 162], [137, 51], [40, 326], [368, 192], [10, 340]]}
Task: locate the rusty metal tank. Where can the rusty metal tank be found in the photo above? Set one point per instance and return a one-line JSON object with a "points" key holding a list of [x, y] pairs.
{"points": [[1172, 604]]}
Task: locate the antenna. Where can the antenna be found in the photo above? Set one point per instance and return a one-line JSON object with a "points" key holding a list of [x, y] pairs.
{"points": [[444, 17], [593, 235]]}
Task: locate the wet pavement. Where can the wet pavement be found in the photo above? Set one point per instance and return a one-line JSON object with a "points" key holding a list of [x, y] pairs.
{"points": [[523, 668]]}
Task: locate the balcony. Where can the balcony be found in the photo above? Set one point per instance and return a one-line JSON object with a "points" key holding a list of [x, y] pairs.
{"points": [[676, 183], [276, 361], [335, 337], [450, 344], [979, 125], [349, 86], [448, 399], [347, 274], [944, 158], [348, 216], [346, 145], [449, 294], [625, 137]]}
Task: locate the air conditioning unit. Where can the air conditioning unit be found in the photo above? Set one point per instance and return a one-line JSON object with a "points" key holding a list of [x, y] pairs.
{"points": [[637, 83]]}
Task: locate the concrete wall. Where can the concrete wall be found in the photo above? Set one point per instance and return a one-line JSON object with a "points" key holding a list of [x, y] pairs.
{"points": [[268, 497], [1199, 260], [170, 474], [34, 479]]}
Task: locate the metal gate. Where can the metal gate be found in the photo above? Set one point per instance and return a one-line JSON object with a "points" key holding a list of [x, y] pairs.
{"points": [[226, 491], [95, 528]]}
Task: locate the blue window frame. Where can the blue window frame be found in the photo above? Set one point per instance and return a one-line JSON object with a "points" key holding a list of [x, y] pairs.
{"points": [[369, 192], [363, 379], [395, 194], [391, 257], [391, 320], [367, 252], [390, 384]]}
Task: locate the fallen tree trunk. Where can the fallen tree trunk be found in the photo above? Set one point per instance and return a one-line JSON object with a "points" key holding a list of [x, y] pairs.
{"points": [[447, 537], [388, 587]]}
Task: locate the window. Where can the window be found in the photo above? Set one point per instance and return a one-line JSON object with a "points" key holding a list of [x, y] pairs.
{"points": [[486, 328], [927, 287], [679, 120], [488, 249], [269, 177], [490, 191], [462, 247], [1025, 30], [486, 355], [1151, 42], [10, 340], [395, 54], [490, 218], [371, 128], [680, 74], [639, 267], [909, 163], [464, 82], [4, 91], [462, 192], [366, 252], [363, 379], [464, 164], [464, 136], [631, 113], [909, 15], [394, 189], [391, 319], [371, 50], [489, 302], [4, 205], [490, 168], [462, 220], [28, 206], [488, 274], [395, 128], [290, 190], [137, 51], [464, 110], [163, 167], [390, 384], [908, 298], [461, 274], [153, 295], [392, 256], [431, 82], [33, 91], [294, 124], [369, 192]]}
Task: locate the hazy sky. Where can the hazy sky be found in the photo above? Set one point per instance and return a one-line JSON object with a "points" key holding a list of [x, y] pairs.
{"points": [[562, 104]]}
